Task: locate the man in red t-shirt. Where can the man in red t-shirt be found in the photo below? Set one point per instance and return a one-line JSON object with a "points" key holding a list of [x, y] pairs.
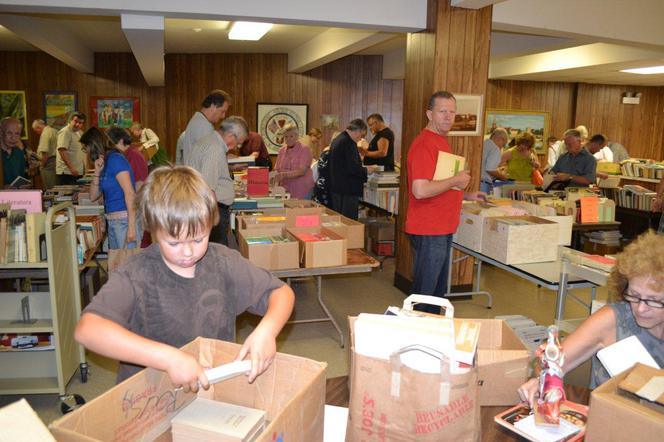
{"points": [[434, 207]]}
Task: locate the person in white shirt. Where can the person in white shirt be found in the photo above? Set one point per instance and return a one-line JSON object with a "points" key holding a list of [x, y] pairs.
{"points": [[598, 146], [491, 155]]}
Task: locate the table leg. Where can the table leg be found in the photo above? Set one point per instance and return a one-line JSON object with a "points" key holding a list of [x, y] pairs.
{"points": [[319, 289], [561, 296]]}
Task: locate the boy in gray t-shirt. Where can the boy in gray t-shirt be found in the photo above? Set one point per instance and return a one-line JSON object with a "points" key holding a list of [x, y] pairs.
{"points": [[180, 288]]}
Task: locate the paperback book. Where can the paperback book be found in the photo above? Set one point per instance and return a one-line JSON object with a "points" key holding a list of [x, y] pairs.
{"points": [[521, 420]]}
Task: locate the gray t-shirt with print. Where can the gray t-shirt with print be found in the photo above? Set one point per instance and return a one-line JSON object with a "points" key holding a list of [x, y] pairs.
{"points": [[149, 299]]}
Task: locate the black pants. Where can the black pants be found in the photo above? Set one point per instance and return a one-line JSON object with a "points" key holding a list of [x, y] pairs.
{"points": [[219, 233], [347, 205], [64, 179]]}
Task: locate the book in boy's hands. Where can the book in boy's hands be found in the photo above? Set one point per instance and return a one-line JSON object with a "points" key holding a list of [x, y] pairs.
{"points": [[206, 419], [448, 166], [227, 371], [521, 420], [622, 355]]}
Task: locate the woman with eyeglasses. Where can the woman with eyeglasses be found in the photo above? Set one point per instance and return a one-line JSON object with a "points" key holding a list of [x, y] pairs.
{"points": [[638, 277]]}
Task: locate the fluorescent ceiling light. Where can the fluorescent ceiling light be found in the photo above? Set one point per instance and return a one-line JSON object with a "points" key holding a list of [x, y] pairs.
{"points": [[646, 71], [246, 30]]}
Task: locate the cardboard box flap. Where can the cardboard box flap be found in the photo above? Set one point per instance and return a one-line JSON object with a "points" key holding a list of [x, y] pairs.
{"points": [[645, 382]]}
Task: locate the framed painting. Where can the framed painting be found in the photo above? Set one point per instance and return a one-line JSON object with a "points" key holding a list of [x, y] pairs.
{"points": [[467, 121], [114, 111], [272, 117], [12, 104], [58, 106], [517, 122]]}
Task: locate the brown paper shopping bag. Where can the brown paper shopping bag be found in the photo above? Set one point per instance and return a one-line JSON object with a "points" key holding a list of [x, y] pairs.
{"points": [[116, 257], [392, 402]]}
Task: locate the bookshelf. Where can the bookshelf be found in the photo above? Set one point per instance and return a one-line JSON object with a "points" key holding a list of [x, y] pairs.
{"points": [[56, 309]]}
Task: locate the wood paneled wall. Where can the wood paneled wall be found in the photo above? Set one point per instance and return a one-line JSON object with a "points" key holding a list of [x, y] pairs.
{"points": [[597, 106], [351, 87], [452, 55], [640, 127]]}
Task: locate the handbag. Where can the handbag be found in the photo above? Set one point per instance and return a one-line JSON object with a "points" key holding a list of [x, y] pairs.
{"points": [[537, 178], [117, 257]]}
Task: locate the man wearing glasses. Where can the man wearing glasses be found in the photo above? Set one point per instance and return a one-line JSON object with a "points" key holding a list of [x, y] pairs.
{"points": [[209, 157], [638, 279]]}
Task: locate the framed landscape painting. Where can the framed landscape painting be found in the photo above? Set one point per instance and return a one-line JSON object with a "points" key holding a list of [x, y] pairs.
{"points": [[517, 122], [467, 121], [114, 111], [58, 106], [12, 104], [272, 117]]}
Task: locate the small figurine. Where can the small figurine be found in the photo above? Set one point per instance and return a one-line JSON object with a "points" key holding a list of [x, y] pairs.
{"points": [[551, 391]]}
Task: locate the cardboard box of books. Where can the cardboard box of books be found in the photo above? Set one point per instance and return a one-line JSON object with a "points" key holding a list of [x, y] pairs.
{"points": [[520, 239], [320, 247], [300, 204], [471, 225], [618, 414], [271, 248], [304, 217], [381, 229], [350, 229], [246, 222], [291, 392]]}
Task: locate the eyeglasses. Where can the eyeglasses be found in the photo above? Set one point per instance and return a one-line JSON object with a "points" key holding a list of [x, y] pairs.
{"points": [[649, 302]]}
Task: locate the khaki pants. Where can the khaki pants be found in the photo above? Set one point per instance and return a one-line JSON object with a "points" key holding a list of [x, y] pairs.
{"points": [[48, 174]]}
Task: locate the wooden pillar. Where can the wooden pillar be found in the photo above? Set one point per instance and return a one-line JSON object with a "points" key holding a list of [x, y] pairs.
{"points": [[452, 55]]}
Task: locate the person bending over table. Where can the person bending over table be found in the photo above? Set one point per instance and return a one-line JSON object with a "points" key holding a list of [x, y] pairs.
{"points": [[638, 277], [520, 159]]}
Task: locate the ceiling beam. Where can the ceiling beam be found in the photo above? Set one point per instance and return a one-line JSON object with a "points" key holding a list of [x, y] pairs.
{"points": [[474, 4], [331, 45], [591, 56], [639, 21], [145, 34], [387, 15], [46, 35]]}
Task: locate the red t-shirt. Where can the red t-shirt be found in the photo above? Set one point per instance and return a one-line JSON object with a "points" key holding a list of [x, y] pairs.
{"points": [[137, 163], [438, 215]]}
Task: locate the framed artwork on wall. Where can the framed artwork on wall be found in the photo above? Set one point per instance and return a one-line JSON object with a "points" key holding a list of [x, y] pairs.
{"points": [[517, 122], [12, 104], [114, 111], [58, 106], [467, 121], [272, 117]]}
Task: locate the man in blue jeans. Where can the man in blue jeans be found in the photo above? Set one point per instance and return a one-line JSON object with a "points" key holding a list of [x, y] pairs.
{"points": [[434, 206]]}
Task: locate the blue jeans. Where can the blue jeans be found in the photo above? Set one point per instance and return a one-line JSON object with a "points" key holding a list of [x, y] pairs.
{"points": [[347, 205], [117, 233], [486, 187], [660, 230], [430, 267]]}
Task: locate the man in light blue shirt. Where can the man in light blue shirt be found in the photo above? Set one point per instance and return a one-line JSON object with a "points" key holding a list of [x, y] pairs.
{"points": [[491, 153]]}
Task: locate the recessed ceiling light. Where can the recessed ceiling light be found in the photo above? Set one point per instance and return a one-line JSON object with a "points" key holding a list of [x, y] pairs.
{"points": [[646, 71], [197, 29], [246, 30]]}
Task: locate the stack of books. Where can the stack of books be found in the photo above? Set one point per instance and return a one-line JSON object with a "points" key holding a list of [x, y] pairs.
{"points": [[208, 420], [273, 239]]}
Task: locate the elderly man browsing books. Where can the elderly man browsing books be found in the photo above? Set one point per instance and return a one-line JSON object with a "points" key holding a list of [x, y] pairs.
{"points": [[434, 206], [576, 167]]}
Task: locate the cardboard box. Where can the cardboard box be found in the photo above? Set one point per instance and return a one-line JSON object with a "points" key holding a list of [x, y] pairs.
{"points": [[381, 229], [300, 204], [471, 225], [383, 248], [291, 391], [502, 361], [304, 217], [350, 229], [260, 221], [520, 244], [615, 416], [276, 256], [321, 253]]}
